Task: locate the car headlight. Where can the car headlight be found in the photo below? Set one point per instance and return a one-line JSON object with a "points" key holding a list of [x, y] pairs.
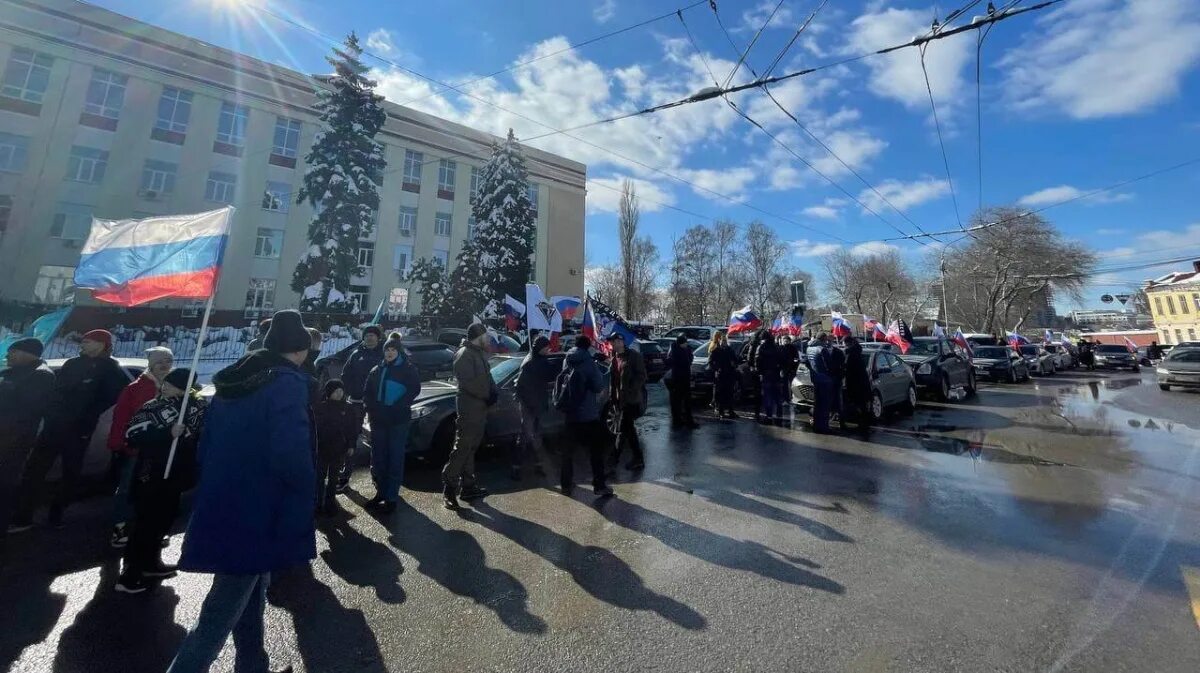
{"points": [[1162, 371], [925, 369], [421, 412]]}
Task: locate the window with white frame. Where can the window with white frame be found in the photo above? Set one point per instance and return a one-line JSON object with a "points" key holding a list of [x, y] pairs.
{"points": [[277, 197], [220, 187], [447, 171], [158, 177], [408, 221], [71, 222], [6, 202], [412, 169], [174, 110], [87, 164], [358, 297], [442, 257], [366, 255], [261, 294], [471, 228], [27, 75], [475, 178], [532, 192], [1166, 336], [268, 243], [441, 224], [231, 125], [14, 151], [54, 285], [402, 256], [287, 137], [105, 94]]}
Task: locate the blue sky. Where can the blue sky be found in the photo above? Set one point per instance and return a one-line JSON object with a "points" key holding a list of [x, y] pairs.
{"points": [[1076, 97]]}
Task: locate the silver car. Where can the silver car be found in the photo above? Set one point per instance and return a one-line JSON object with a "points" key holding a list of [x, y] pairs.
{"points": [[892, 384], [1040, 361], [1062, 357], [1180, 369]]}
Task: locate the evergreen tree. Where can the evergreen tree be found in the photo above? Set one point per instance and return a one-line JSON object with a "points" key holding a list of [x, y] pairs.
{"points": [[430, 278], [345, 167], [505, 228]]}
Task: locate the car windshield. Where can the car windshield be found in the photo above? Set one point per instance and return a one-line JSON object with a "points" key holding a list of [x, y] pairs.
{"points": [[1111, 348], [992, 352], [923, 347], [982, 340], [1051, 348], [502, 368], [650, 347], [1029, 350], [1185, 355]]}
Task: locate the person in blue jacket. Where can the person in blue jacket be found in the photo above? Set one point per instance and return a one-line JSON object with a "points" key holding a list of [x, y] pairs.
{"points": [[391, 388], [252, 513]]}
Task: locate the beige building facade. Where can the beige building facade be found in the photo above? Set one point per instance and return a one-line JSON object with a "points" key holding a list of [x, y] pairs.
{"points": [[1175, 305], [108, 117]]}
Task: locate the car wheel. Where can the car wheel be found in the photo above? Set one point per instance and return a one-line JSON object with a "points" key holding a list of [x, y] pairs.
{"points": [[944, 389], [1163, 386], [971, 384], [876, 407], [910, 403], [612, 420]]}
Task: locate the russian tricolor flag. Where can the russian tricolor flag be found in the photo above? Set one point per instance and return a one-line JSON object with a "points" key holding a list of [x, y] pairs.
{"points": [[878, 333], [132, 262], [1016, 340], [869, 323], [745, 320], [895, 336], [567, 306], [1130, 345], [840, 328], [513, 312], [961, 340]]}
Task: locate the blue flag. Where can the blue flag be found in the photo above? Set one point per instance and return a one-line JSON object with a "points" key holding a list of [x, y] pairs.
{"points": [[43, 329]]}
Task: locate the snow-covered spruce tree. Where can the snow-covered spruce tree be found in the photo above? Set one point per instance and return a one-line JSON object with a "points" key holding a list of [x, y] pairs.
{"points": [[505, 228], [429, 276], [345, 166]]}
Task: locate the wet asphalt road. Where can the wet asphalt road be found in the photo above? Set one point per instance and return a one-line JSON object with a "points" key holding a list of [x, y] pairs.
{"points": [[1049, 526]]}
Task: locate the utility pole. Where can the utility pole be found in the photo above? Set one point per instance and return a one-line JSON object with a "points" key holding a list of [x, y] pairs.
{"points": [[945, 306]]}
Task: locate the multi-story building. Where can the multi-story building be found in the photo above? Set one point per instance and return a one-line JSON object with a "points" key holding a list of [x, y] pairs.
{"points": [[103, 116], [1095, 318], [1175, 305]]}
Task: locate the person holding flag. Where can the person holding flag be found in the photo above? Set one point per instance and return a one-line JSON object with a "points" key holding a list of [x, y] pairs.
{"points": [[627, 390]]}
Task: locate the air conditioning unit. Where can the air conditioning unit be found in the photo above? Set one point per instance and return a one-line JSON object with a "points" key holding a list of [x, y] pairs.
{"points": [[149, 194]]}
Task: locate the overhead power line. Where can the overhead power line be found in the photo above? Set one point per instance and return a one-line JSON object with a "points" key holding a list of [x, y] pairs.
{"points": [[746, 52]]}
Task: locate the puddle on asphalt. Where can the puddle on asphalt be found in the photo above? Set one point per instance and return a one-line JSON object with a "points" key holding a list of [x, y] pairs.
{"points": [[973, 446]]}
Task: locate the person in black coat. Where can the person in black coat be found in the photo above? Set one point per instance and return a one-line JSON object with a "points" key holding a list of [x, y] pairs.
{"points": [[85, 387], [768, 362], [722, 362], [858, 384], [338, 426], [790, 355], [354, 377], [533, 392], [25, 388], [837, 374], [679, 385], [392, 387]]}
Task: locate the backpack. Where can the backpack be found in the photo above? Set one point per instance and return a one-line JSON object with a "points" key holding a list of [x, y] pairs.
{"points": [[568, 390]]}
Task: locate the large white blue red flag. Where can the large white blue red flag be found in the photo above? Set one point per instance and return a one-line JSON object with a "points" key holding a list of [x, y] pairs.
{"points": [[961, 340], [513, 312], [1130, 345], [869, 323], [745, 320], [1016, 340], [795, 325], [568, 307], [779, 324], [841, 328], [878, 333], [131, 262], [1048, 337]]}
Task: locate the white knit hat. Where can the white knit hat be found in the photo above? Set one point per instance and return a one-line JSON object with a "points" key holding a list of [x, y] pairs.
{"points": [[157, 354]]}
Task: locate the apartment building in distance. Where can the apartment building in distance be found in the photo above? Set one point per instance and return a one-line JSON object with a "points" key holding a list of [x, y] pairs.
{"points": [[1175, 305], [104, 116]]}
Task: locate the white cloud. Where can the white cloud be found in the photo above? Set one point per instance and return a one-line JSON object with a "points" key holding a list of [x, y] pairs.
{"points": [[872, 248], [831, 209], [1109, 232], [807, 248], [603, 195], [731, 182], [905, 195], [604, 11], [755, 17], [1102, 58], [1054, 195], [898, 75], [380, 42]]}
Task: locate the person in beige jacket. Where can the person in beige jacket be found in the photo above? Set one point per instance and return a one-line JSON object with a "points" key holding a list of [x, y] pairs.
{"points": [[476, 392]]}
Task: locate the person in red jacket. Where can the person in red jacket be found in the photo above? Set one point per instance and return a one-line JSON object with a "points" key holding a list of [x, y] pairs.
{"points": [[136, 394]]}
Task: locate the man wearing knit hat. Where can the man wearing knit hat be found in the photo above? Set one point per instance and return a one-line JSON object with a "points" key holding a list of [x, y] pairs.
{"points": [[354, 377], [160, 361], [253, 509], [25, 388], [476, 392], [85, 387]]}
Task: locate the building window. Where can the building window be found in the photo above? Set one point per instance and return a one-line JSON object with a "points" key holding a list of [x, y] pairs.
{"points": [[1191, 334], [412, 171], [55, 285], [398, 301], [441, 224], [1158, 306], [402, 259], [1183, 304], [87, 164], [174, 110], [287, 137], [268, 243], [358, 296], [220, 187], [231, 125], [71, 222], [471, 228], [27, 75], [6, 202], [105, 94], [277, 197], [442, 257], [1196, 301], [1170, 304], [447, 170], [158, 178], [533, 191], [474, 182], [408, 221], [14, 150], [1178, 336], [261, 294], [1166, 336], [366, 254]]}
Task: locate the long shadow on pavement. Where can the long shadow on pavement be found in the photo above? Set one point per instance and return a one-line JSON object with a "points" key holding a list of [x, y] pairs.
{"points": [[361, 561], [596, 570], [735, 500], [329, 636]]}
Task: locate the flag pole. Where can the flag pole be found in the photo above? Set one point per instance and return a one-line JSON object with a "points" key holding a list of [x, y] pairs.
{"points": [[187, 393]]}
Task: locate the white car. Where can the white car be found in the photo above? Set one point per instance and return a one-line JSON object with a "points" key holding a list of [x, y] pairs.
{"points": [[1062, 357]]}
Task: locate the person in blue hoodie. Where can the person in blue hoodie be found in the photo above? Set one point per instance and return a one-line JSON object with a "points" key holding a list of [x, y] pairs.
{"points": [[584, 427], [392, 386], [252, 513]]}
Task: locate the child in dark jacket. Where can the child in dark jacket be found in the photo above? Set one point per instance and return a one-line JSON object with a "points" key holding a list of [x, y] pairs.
{"points": [[337, 432], [155, 492]]}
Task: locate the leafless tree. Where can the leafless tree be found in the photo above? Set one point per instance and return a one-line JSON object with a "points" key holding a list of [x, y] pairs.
{"points": [[877, 284], [765, 253], [604, 283], [644, 264], [693, 275], [627, 223]]}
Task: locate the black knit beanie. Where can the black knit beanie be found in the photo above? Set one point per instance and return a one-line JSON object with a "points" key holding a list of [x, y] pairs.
{"points": [[287, 333]]}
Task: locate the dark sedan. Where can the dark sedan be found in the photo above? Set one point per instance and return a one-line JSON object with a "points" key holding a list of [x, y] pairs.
{"points": [[433, 360], [939, 365], [1114, 356], [655, 357], [999, 363], [702, 378], [892, 384]]}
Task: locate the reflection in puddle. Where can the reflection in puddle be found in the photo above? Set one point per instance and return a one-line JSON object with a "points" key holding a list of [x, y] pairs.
{"points": [[972, 446]]}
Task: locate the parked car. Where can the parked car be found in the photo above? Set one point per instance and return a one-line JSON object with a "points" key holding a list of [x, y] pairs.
{"points": [[1040, 361], [1062, 356], [431, 434], [893, 384], [433, 360], [1115, 356], [702, 379], [982, 340], [939, 365], [698, 332], [999, 363], [655, 357], [1180, 369], [665, 343]]}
